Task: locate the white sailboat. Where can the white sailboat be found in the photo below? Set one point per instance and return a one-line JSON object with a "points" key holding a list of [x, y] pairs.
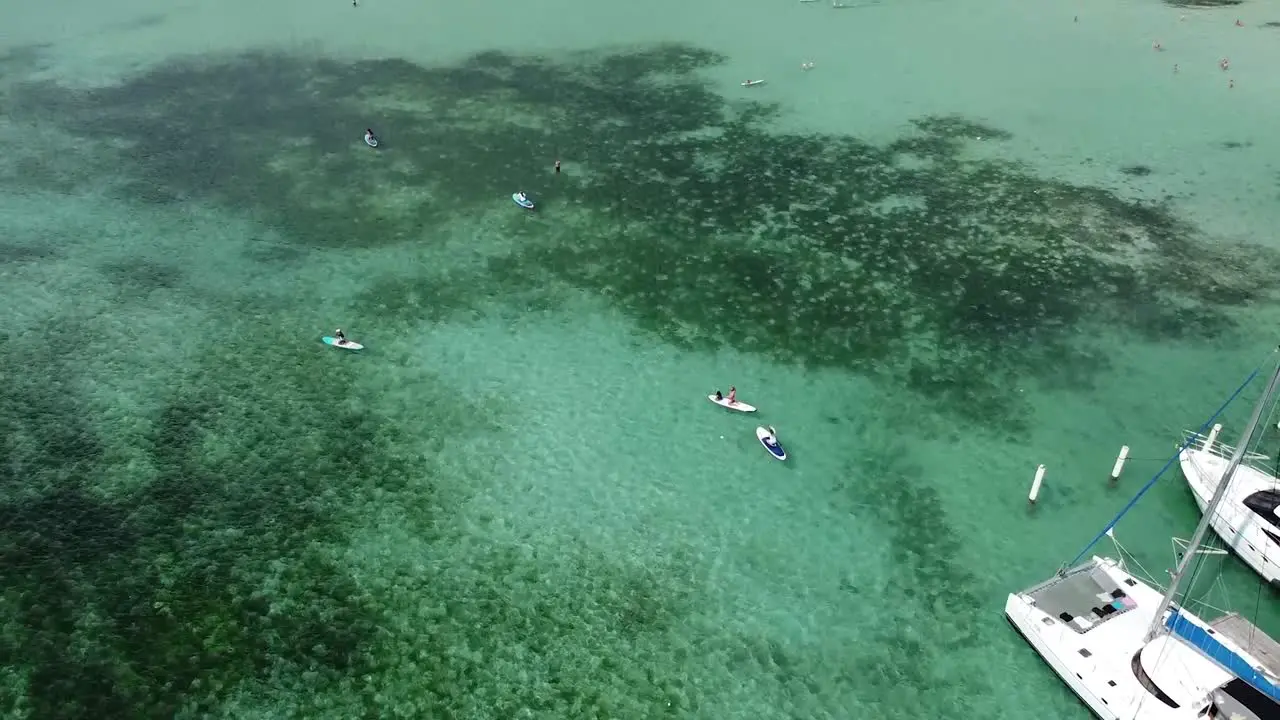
{"points": [[1129, 652], [1247, 520]]}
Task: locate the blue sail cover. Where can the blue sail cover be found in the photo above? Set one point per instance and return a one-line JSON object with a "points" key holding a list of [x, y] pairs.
{"points": [[1212, 648]]}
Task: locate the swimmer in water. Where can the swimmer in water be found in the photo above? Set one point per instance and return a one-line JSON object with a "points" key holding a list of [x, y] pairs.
{"points": [[1156, 45]]}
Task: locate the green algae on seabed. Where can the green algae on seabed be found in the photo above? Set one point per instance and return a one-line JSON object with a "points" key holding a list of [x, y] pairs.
{"points": [[220, 580], [954, 275]]}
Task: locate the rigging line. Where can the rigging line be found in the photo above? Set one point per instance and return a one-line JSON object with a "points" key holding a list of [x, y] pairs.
{"points": [[1167, 465]]}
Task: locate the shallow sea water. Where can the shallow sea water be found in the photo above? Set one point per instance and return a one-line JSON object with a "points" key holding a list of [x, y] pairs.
{"points": [[972, 239]]}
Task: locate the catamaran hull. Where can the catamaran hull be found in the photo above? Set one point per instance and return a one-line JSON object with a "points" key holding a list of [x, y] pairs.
{"points": [[1016, 611], [1106, 660]]}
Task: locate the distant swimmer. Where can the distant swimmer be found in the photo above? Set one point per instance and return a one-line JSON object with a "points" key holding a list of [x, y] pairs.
{"points": [[806, 66], [1175, 67], [1225, 64], [1231, 83], [1238, 23], [1156, 45], [557, 167]]}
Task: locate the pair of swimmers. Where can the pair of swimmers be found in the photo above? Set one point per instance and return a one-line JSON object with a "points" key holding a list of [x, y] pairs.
{"points": [[733, 394]]}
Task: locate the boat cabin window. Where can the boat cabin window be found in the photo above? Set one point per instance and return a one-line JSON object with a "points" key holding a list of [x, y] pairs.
{"points": [[1146, 681], [1264, 503]]}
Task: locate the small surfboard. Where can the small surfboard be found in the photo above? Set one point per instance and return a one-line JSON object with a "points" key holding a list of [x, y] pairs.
{"points": [[344, 344], [524, 202], [752, 83], [770, 443], [370, 140], [736, 405]]}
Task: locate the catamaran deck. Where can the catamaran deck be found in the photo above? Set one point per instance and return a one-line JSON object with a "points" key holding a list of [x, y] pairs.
{"points": [[1253, 639], [1082, 598]]}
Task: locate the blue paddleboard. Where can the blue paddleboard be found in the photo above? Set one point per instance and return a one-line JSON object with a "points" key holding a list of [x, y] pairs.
{"points": [[524, 202], [770, 443]]}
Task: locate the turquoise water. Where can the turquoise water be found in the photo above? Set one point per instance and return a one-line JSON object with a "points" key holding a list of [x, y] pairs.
{"points": [[973, 238]]}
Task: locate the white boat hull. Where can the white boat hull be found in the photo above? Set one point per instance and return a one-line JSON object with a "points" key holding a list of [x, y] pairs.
{"points": [[1103, 676], [1240, 528]]}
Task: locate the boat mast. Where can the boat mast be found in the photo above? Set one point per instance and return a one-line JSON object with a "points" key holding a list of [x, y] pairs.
{"points": [[1193, 546]]}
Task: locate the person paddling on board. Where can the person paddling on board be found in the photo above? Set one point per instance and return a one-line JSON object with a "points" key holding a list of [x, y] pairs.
{"points": [[339, 336], [733, 394]]}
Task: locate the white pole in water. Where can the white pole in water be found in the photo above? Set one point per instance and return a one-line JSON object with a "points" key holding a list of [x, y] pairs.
{"points": [[1213, 437], [1035, 485], [1119, 466]]}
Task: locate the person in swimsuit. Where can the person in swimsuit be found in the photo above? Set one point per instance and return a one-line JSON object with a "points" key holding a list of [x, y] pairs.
{"points": [[368, 135], [733, 394], [339, 336], [719, 396]]}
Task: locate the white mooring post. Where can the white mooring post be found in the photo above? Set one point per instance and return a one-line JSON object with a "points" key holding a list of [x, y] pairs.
{"points": [[1035, 485], [1120, 460]]}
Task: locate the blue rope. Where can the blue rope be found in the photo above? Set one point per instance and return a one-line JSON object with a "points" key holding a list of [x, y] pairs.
{"points": [[1190, 439]]}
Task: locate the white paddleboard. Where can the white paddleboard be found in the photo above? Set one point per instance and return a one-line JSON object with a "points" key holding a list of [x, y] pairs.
{"points": [[770, 443], [739, 406], [752, 83], [344, 344], [371, 141]]}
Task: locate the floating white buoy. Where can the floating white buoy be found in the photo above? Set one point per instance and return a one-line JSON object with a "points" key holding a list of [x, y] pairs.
{"points": [[1035, 485], [1213, 436], [1119, 466]]}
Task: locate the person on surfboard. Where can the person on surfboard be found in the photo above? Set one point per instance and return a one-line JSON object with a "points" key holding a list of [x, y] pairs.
{"points": [[339, 336], [719, 397], [733, 394], [368, 135]]}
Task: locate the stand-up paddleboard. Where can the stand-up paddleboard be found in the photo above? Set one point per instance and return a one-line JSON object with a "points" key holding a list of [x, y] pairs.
{"points": [[523, 202], [344, 344], [735, 405], [770, 443], [752, 83], [370, 140]]}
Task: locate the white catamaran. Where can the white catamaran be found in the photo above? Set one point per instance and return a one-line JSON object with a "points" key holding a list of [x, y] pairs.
{"points": [[1131, 653], [1247, 520]]}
